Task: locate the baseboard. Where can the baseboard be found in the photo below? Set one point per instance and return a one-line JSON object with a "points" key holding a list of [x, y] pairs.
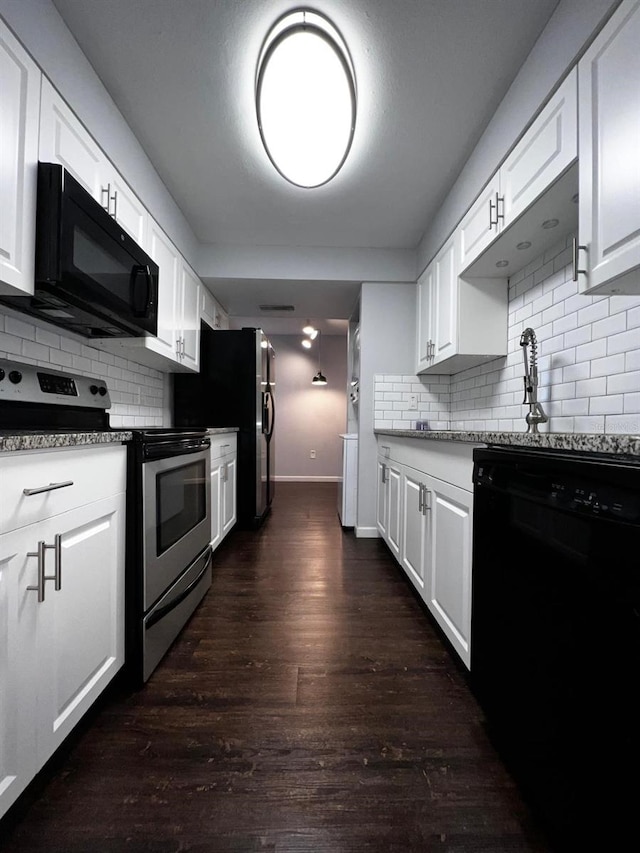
{"points": [[366, 532], [287, 479]]}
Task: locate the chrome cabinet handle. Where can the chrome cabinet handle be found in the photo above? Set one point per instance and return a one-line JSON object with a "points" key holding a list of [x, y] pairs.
{"points": [[420, 498], [491, 222], [42, 577], [383, 473], [499, 215], [50, 488], [575, 249], [106, 191], [114, 199], [426, 503]]}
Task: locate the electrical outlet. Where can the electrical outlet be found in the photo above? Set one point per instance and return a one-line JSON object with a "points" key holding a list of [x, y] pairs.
{"points": [[413, 401], [312, 454]]}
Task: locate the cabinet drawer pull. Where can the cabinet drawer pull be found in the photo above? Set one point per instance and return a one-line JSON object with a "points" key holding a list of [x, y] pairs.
{"points": [[50, 488], [383, 473], [420, 498], [426, 501], [57, 572]]}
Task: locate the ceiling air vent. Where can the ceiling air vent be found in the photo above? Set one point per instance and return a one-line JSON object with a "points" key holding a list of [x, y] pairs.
{"points": [[277, 307]]}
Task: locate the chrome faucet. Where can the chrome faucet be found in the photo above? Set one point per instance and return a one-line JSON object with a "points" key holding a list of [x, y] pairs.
{"points": [[536, 414]]}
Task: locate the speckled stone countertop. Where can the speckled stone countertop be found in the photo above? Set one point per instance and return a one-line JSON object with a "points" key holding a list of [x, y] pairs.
{"points": [[221, 430], [44, 440], [627, 445]]}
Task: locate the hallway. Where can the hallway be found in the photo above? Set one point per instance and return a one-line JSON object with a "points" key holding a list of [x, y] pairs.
{"points": [[309, 707]]}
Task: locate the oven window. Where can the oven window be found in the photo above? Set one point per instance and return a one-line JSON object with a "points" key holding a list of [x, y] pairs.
{"points": [[180, 502]]}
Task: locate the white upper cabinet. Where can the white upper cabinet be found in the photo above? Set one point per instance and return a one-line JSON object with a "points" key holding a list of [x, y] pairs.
{"points": [[65, 140], [497, 225], [425, 317], [211, 312], [480, 226], [609, 126], [461, 323], [188, 317], [19, 111], [542, 155]]}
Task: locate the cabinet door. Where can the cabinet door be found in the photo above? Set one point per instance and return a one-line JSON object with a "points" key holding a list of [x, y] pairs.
{"points": [[544, 152], [18, 677], [479, 227], [165, 254], [126, 208], [64, 140], [81, 625], [448, 581], [19, 107], [414, 528], [394, 525], [425, 335], [382, 504], [229, 494], [445, 303], [189, 318], [609, 166], [216, 520]]}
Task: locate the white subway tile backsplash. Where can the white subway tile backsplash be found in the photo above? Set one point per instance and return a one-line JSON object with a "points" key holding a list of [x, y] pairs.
{"points": [[137, 392]]}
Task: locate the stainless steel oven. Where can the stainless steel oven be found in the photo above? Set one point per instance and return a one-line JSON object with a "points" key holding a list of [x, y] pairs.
{"points": [[169, 556]]}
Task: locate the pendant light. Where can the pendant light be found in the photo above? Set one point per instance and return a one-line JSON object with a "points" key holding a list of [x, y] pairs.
{"points": [[319, 378]]}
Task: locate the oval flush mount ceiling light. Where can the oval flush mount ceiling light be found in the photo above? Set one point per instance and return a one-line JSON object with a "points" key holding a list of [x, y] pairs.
{"points": [[306, 98]]}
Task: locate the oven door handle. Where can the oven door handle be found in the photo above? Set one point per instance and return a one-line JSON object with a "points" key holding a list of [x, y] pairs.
{"points": [[161, 612], [166, 449]]}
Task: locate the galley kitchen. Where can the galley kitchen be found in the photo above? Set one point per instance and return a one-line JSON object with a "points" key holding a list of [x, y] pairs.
{"points": [[319, 425]]}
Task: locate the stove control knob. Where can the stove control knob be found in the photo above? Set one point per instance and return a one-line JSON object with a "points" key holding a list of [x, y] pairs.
{"points": [[15, 376], [1, 374], [102, 390], [93, 389]]}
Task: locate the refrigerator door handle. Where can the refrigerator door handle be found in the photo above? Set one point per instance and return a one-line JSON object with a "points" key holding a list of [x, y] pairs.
{"points": [[269, 413]]}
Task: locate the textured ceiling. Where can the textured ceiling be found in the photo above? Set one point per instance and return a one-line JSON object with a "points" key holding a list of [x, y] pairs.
{"points": [[430, 74]]}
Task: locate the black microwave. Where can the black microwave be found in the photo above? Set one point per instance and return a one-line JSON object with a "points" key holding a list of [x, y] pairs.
{"points": [[91, 277]]}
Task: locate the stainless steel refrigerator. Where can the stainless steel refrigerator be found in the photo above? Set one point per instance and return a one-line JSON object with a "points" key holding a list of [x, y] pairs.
{"points": [[235, 388]]}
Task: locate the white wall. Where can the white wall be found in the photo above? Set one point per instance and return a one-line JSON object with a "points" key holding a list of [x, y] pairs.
{"points": [[588, 364], [307, 417], [387, 343]]}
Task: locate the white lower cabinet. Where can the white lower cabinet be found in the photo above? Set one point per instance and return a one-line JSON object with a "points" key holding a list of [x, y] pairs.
{"points": [[389, 512], [61, 617], [224, 475], [434, 512]]}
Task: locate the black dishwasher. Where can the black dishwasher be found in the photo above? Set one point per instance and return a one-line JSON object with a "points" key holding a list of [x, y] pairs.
{"points": [[555, 635]]}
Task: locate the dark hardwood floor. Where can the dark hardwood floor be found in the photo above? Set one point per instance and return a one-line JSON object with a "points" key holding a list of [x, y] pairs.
{"points": [[308, 706]]}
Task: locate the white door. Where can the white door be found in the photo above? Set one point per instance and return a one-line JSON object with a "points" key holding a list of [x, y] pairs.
{"points": [[412, 556], [190, 318], [542, 155], [81, 625], [64, 140], [445, 303], [18, 675], [448, 587], [609, 133], [164, 253], [394, 529], [229, 495], [216, 523], [478, 229], [424, 338]]}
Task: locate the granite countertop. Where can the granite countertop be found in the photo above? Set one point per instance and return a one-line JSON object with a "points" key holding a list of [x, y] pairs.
{"points": [[627, 445], [44, 440], [221, 430]]}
